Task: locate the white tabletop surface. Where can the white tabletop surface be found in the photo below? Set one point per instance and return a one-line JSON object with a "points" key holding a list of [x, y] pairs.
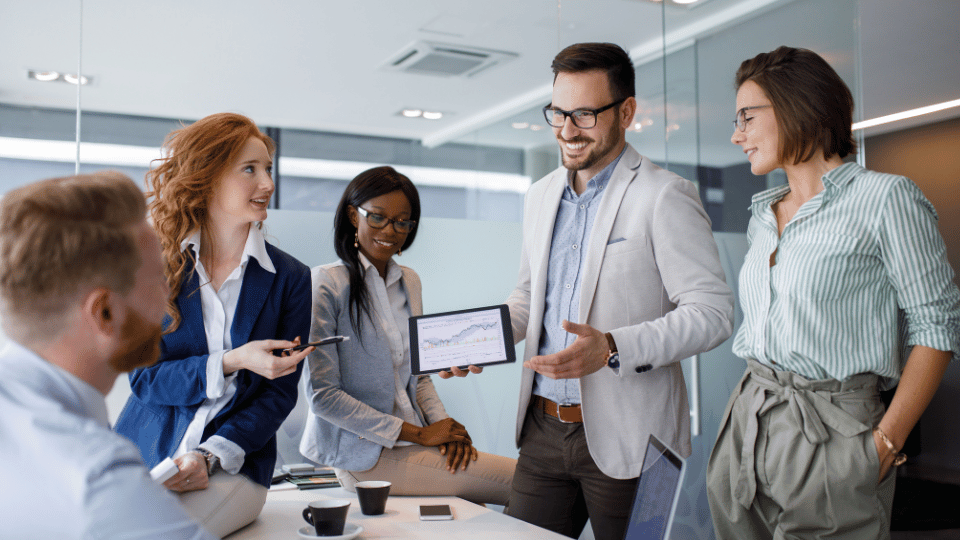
{"points": [[281, 519]]}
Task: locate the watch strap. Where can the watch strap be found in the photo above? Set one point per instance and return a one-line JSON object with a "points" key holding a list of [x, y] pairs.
{"points": [[211, 460], [611, 343], [613, 356]]}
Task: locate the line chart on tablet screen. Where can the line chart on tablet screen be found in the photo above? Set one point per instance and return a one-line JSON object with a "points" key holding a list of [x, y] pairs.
{"points": [[461, 339]]}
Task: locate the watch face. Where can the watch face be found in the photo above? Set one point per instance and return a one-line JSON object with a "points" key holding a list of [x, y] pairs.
{"points": [[614, 360]]}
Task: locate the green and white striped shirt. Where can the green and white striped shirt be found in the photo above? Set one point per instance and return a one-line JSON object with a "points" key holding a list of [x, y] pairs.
{"points": [[861, 272]]}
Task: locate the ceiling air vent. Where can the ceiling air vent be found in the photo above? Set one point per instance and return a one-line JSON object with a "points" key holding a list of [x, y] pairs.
{"points": [[445, 59]]}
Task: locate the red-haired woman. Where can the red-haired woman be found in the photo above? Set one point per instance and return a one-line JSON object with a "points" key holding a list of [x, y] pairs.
{"points": [[220, 391]]}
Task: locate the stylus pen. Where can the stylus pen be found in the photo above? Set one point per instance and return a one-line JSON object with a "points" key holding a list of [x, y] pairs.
{"points": [[325, 341]]}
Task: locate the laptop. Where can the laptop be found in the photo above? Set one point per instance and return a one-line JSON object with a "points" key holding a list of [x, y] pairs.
{"points": [[658, 492]]}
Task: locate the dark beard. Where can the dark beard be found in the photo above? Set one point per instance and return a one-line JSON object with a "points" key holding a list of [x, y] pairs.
{"points": [[597, 155], [140, 345]]}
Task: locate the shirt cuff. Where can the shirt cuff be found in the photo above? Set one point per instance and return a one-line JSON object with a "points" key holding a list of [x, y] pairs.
{"points": [[216, 382], [231, 456]]}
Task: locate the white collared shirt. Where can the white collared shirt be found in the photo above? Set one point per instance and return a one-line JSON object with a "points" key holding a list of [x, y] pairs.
{"points": [[392, 310], [65, 474], [219, 308]]}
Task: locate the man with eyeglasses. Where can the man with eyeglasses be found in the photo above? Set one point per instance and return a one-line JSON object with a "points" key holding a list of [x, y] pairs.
{"points": [[620, 279]]}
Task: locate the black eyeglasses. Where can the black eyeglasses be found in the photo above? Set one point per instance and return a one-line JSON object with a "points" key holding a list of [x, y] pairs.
{"points": [[378, 221], [582, 118], [741, 121]]}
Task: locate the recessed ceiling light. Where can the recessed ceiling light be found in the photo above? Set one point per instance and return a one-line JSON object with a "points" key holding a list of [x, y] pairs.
{"points": [[520, 125], [53, 76], [73, 79], [411, 113], [432, 115], [684, 1], [536, 127], [44, 76]]}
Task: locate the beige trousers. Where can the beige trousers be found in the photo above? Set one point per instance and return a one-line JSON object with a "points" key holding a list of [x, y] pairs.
{"points": [[795, 459], [230, 501], [422, 470]]}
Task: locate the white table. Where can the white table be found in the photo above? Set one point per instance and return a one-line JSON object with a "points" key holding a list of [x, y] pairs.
{"points": [[281, 519]]}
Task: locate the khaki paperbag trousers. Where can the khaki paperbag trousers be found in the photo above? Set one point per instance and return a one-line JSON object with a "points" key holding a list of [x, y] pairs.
{"points": [[796, 459]]}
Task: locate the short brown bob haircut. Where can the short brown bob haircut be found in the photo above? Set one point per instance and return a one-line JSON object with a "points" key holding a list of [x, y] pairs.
{"points": [[813, 106], [60, 238]]}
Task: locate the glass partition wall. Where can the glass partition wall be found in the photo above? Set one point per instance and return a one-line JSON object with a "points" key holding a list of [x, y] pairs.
{"points": [[472, 171]]}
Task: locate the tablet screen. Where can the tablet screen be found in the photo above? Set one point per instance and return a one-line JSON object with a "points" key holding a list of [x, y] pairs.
{"points": [[479, 336]]}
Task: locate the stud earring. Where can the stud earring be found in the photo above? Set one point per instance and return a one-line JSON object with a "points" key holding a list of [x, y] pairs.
{"points": [[356, 239], [399, 252]]}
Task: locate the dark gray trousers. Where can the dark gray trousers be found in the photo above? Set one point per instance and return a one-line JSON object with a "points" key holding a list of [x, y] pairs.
{"points": [[557, 485]]}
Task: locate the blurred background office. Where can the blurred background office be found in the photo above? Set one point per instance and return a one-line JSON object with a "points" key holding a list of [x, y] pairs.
{"points": [[449, 93]]}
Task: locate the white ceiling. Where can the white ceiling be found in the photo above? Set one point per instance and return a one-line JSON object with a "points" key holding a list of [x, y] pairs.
{"points": [[316, 64]]}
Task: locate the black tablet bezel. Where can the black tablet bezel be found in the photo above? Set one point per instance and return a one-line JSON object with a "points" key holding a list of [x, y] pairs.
{"points": [[505, 323]]}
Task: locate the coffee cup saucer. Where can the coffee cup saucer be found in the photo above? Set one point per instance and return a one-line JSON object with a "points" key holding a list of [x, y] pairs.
{"points": [[350, 530]]}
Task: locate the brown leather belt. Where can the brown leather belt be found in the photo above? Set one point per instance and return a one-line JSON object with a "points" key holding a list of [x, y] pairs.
{"points": [[567, 414]]}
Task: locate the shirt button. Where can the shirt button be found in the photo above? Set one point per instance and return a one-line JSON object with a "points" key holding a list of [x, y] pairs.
{"points": [[574, 246], [583, 206], [568, 285]]}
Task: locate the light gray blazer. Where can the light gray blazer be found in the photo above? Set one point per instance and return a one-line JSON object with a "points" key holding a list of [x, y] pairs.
{"points": [[652, 278], [351, 386]]}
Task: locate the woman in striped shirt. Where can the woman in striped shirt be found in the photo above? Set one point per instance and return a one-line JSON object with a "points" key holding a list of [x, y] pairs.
{"points": [[845, 289]]}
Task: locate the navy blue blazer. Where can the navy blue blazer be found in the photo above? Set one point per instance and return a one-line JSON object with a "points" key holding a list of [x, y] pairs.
{"points": [[166, 395]]}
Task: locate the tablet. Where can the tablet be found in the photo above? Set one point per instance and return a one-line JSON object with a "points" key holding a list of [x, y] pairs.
{"points": [[478, 336]]}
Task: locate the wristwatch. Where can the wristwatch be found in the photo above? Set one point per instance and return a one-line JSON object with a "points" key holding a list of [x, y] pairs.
{"points": [[613, 357], [211, 459]]}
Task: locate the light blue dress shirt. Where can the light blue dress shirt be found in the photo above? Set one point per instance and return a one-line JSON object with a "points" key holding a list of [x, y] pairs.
{"points": [[65, 474], [568, 251]]}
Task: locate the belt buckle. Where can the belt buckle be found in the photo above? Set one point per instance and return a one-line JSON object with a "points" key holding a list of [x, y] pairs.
{"points": [[560, 417]]}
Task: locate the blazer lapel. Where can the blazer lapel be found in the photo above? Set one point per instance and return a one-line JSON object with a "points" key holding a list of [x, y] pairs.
{"points": [[191, 312], [254, 292], [543, 232], [625, 172], [414, 296]]}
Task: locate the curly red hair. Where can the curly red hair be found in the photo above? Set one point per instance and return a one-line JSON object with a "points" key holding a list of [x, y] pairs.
{"points": [[182, 185]]}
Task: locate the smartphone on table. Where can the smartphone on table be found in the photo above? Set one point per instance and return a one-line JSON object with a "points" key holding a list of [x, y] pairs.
{"points": [[435, 512]]}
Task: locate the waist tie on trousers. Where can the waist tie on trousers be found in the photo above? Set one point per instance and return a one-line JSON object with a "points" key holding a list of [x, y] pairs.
{"points": [[811, 404]]}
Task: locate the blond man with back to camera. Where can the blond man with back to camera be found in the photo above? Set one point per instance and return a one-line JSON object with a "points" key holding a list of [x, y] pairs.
{"points": [[82, 296]]}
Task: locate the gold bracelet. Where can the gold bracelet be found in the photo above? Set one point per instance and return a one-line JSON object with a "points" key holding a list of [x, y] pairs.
{"points": [[898, 456]]}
